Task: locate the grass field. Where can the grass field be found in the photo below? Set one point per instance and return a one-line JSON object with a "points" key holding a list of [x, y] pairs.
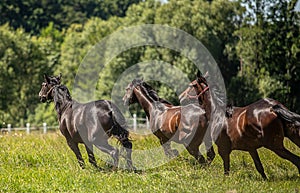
{"points": [[44, 163]]}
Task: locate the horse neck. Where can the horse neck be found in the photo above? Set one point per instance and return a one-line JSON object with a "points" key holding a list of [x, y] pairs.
{"points": [[144, 100], [61, 104], [207, 104]]}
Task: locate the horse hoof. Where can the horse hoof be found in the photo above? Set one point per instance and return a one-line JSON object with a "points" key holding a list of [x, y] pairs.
{"points": [[175, 152], [134, 169], [172, 153], [82, 165]]}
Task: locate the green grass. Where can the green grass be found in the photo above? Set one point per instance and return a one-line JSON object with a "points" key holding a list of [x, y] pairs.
{"points": [[44, 163]]}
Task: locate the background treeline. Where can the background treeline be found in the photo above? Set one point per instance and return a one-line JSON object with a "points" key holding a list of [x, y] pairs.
{"points": [[256, 44]]}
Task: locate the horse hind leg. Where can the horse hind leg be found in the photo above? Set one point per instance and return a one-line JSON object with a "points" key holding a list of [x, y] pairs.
{"points": [[258, 164], [128, 147], [169, 152], [90, 152], [293, 135], [113, 152], [286, 154]]}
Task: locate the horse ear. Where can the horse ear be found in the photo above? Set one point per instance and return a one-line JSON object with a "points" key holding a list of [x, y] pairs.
{"points": [[46, 78], [206, 75], [59, 77], [199, 74]]}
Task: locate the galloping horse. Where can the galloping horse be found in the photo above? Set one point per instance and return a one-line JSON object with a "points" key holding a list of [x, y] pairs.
{"points": [[185, 125], [264, 123], [91, 123]]}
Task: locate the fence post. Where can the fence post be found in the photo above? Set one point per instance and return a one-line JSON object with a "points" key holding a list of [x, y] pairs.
{"points": [[27, 128], [134, 122], [8, 128], [147, 123], [45, 127]]}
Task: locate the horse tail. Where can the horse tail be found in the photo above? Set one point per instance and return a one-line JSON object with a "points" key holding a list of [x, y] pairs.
{"points": [[291, 123], [120, 128], [119, 131], [287, 115]]}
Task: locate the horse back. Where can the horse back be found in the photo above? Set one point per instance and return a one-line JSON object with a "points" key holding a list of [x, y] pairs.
{"points": [[91, 120], [253, 125]]}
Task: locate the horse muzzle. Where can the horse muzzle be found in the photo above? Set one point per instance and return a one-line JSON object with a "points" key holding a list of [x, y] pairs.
{"points": [[43, 99]]}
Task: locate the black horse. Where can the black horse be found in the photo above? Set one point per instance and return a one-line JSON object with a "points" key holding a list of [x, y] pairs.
{"points": [[92, 123]]}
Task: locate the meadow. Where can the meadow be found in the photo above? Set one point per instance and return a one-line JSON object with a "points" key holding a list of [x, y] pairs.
{"points": [[44, 163]]}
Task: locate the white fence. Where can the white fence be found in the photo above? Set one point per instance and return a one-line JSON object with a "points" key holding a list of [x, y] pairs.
{"points": [[134, 123]]}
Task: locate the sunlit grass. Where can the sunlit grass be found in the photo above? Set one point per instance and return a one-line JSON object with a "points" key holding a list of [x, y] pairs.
{"points": [[44, 163]]}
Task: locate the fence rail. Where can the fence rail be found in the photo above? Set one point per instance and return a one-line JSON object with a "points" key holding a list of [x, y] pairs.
{"points": [[135, 123]]}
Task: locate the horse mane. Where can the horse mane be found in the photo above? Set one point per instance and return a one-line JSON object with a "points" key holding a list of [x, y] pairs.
{"points": [[61, 93], [218, 102], [151, 92], [65, 91]]}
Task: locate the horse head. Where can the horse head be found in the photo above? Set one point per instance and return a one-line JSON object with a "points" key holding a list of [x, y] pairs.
{"points": [[47, 86], [195, 90], [129, 97]]}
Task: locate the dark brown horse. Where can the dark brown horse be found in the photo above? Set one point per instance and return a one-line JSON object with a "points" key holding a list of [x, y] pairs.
{"points": [[92, 123], [264, 123], [185, 125]]}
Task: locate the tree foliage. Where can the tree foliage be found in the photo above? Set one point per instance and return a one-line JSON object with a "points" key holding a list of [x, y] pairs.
{"points": [[33, 15], [255, 43], [24, 59]]}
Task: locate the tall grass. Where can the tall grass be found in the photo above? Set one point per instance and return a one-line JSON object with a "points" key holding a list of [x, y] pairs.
{"points": [[44, 163]]}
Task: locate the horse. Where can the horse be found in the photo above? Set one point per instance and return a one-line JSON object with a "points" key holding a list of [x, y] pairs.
{"points": [[184, 125], [263, 123], [91, 123]]}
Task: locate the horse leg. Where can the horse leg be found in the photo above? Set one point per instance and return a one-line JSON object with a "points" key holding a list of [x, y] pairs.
{"points": [[113, 152], [170, 153], [224, 148], [210, 151], [128, 147], [257, 163], [75, 149], [226, 161], [293, 135], [286, 154], [194, 151], [90, 152]]}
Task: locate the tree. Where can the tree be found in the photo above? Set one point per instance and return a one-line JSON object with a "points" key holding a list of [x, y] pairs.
{"points": [[24, 59], [267, 39], [33, 15]]}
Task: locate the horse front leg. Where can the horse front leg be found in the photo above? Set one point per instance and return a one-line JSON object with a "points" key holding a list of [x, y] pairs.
{"points": [[224, 148], [194, 151], [210, 152], [226, 161], [74, 147]]}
